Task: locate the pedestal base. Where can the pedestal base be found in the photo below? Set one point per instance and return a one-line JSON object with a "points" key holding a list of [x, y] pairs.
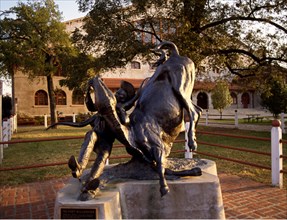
{"points": [[189, 197]]}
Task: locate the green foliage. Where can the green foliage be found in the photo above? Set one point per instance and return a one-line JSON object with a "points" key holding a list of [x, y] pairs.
{"points": [[227, 33], [275, 99], [34, 41], [221, 97], [83, 116], [77, 70], [35, 37]]}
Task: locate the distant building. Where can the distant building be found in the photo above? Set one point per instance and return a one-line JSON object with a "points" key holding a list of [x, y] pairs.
{"points": [[32, 97]]}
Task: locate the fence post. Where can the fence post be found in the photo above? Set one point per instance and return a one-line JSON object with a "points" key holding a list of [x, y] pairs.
{"points": [[283, 123], [5, 133], [188, 153], [206, 117], [236, 119], [45, 120], [276, 152], [74, 117], [12, 125], [9, 131], [15, 123]]}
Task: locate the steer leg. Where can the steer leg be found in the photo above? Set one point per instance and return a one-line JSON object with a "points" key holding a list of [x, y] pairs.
{"points": [[159, 158], [194, 115], [192, 140], [196, 171]]}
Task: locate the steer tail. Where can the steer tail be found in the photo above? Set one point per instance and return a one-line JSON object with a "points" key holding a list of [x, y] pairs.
{"points": [[89, 121]]}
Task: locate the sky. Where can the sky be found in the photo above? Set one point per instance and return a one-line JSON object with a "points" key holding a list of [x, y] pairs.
{"points": [[69, 9]]}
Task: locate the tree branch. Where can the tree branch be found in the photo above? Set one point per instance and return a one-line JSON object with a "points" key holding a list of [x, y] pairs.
{"points": [[143, 31], [238, 18], [237, 71], [156, 36], [258, 8], [260, 61], [241, 51]]}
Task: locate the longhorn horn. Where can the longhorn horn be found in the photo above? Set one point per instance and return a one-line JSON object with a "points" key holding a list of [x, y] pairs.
{"points": [[168, 45]]}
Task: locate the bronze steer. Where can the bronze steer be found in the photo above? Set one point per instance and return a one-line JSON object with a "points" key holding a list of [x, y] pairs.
{"points": [[157, 118]]}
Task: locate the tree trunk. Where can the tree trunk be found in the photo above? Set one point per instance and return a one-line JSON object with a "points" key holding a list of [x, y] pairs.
{"points": [[12, 72], [13, 111], [52, 98]]}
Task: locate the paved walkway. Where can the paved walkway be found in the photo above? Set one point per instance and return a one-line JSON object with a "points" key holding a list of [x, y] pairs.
{"points": [[242, 198]]}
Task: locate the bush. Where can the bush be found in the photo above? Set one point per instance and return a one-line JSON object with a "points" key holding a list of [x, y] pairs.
{"points": [[83, 116], [25, 119]]}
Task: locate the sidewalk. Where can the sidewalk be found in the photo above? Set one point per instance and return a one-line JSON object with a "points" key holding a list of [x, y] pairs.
{"points": [[242, 198]]}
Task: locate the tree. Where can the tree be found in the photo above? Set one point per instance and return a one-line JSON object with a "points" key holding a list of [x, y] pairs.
{"points": [[33, 42], [77, 70], [241, 35], [221, 97], [275, 99]]}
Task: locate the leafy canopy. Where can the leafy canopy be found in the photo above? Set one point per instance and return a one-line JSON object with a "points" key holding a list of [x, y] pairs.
{"points": [[34, 41], [241, 35], [34, 38]]}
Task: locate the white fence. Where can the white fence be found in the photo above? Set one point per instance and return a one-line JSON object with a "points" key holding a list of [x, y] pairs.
{"points": [[207, 117], [276, 153], [46, 119], [8, 127]]}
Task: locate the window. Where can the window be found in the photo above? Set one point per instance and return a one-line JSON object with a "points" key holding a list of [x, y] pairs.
{"points": [[61, 98], [135, 65], [78, 97], [234, 98], [202, 100], [41, 98], [163, 28]]}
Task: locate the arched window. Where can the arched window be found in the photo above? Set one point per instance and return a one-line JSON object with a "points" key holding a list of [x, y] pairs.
{"points": [[202, 100], [41, 98], [234, 98], [135, 65], [61, 98], [245, 99], [78, 97]]}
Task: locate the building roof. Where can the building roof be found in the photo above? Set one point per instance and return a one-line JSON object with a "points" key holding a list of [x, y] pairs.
{"points": [[114, 83]]}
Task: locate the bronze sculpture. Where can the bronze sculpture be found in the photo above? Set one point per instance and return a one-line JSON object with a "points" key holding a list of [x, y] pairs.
{"points": [[100, 139], [149, 131]]}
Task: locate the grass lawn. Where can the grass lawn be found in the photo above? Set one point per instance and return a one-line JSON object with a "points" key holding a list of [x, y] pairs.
{"points": [[26, 154]]}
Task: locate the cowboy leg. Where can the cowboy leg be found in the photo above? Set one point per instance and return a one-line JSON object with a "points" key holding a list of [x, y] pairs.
{"points": [[77, 166], [92, 182]]}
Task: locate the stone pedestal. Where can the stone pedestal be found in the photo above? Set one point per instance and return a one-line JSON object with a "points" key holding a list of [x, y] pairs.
{"points": [[190, 197], [106, 206]]}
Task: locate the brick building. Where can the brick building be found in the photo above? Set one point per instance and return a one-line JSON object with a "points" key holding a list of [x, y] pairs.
{"points": [[32, 96]]}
